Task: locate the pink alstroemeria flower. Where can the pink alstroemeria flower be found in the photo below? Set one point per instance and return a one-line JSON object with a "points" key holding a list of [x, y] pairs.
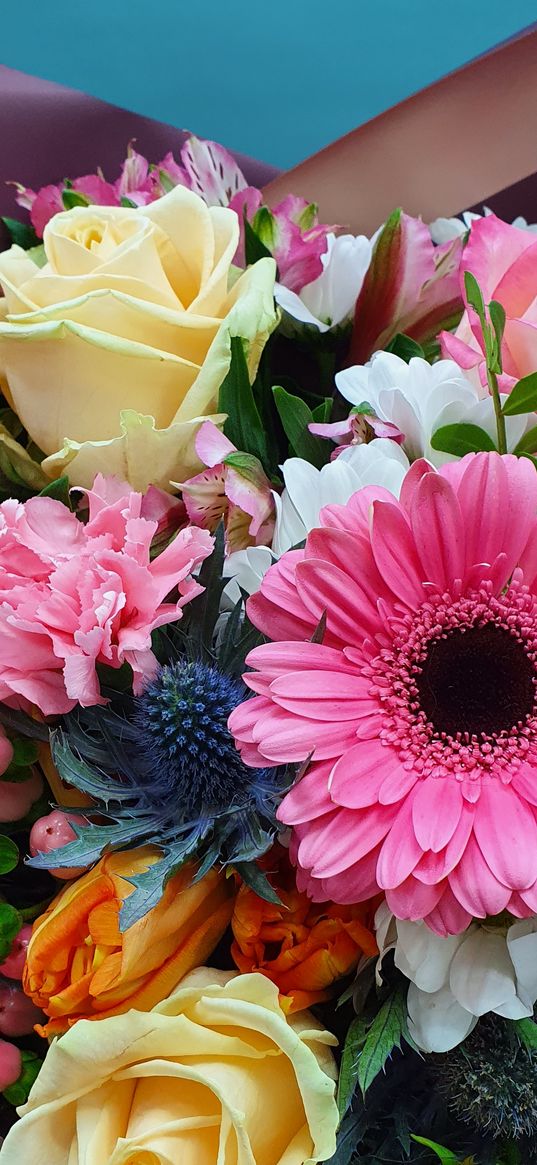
{"points": [[290, 232], [233, 487], [358, 429], [503, 259], [75, 595], [411, 286], [48, 201]]}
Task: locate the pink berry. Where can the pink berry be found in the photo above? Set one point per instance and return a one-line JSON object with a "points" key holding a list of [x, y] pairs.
{"points": [[13, 965], [17, 797], [6, 752], [50, 833], [17, 1013], [10, 1064]]}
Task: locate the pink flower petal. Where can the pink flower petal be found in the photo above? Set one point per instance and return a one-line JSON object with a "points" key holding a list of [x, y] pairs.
{"points": [[357, 776], [506, 831], [400, 852], [438, 531], [395, 553], [436, 811], [475, 886]]}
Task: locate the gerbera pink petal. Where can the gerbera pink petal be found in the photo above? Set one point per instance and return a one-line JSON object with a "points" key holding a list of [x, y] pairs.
{"points": [[395, 553], [282, 737], [401, 851], [413, 899], [476, 887], [436, 812], [324, 695], [418, 469], [309, 798], [357, 776], [506, 832], [344, 839], [438, 530], [448, 916], [326, 589]]}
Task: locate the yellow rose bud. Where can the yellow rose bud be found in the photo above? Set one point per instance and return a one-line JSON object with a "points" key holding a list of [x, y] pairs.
{"points": [[79, 965], [114, 351], [215, 1073]]}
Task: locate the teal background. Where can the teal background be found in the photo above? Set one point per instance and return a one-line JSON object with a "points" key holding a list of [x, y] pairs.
{"points": [[277, 79]]}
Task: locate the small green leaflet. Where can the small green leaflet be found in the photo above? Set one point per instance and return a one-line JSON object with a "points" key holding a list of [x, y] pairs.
{"points": [[254, 247], [473, 294], [389, 1027], [522, 398], [71, 198], [10, 924], [461, 439], [59, 490], [526, 1030], [527, 443], [405, 347], [257, 880], [295, 416], [9, 855], [444, 1155], [18, 1092], [348, 1072]]}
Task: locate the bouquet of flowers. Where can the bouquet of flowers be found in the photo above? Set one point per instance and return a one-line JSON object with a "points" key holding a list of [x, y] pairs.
{"points": [[268, 671]]}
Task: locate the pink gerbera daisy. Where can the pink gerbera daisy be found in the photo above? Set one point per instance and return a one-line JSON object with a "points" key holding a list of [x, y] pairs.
{"points": [[418, 710]]}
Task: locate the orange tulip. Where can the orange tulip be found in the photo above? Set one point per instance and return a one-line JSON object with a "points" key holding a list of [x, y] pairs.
{"points": [[79, 965], [302, 946]]}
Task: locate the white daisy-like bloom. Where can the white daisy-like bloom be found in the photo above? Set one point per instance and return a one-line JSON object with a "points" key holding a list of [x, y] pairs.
{"points": [[443, 230], [307, 490], [420, 398], [329, 300], [453, 981]]}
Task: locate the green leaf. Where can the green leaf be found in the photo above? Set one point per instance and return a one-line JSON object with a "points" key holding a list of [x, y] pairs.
{"points": [[18, 1092], [25, 752], [321, 413], [522, 398], [388, 1028], [59, 490], [243, 426], [461, 439], [128, 203], [405, 347], [349, 1136], [254, 248], [10, 924], [527, 443], [295, 416], [444, 1155], [9, 855], [350, 1059], [526, 1030], [257, 880], [264, 225], [71, 198], [21, 233], [474, 295], [497, 318]]}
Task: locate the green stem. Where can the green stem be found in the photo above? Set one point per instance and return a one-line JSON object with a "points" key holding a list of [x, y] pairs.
{"points": [[500, 419]]}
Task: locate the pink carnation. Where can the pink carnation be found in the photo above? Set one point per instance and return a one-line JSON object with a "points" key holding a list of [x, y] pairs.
{"points": [[74, 595], [419, 707]]}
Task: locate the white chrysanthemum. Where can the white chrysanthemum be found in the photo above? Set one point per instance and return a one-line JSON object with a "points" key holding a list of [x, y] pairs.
{"points": [[420, 398], [455, 980], [330, 299], [307, 490], [443, 230]]}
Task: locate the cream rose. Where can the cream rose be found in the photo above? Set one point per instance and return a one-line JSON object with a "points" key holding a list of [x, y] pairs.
{"points": [[114, 350], [215, 1073]]}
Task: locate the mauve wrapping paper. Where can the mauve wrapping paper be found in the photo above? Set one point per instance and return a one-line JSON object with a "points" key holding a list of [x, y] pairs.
{"points": [[448, 148], [48, 132]]}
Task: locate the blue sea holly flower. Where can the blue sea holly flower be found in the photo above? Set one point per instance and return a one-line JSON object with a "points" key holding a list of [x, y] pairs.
{"points": [[162, 769]]}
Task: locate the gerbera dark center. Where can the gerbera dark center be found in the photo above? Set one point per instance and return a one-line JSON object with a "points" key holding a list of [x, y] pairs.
{"points": [[477, 681]]}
